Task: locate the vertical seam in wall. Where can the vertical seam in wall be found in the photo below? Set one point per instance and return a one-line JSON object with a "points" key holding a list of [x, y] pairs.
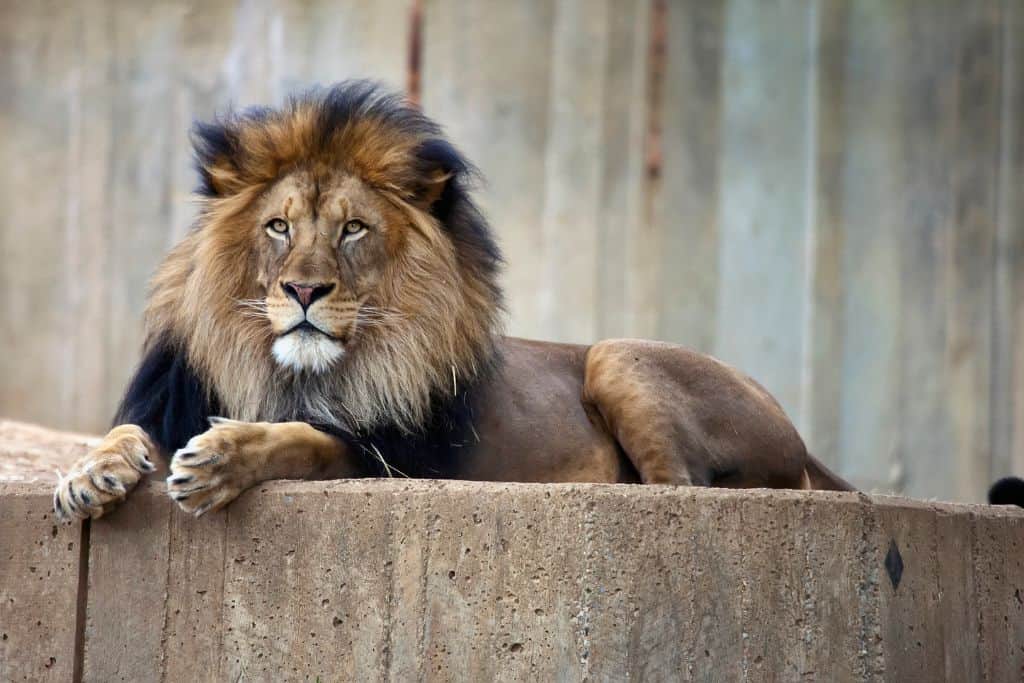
{"points": [[962, 464], [72, 247], [389, 598], [546, 309], [746, 593], [634, 197], [414, 56], [986, 673], [167, 587], [586, 593], [652, 159], [112, 267], [493, 560], [223, 597], [543, 303], [597, 278], [934, 561], [691, 598], [431, 532], [657, 47], [813, 32], [809, 592], [1001, 369], [872, 645], [82, 601]]}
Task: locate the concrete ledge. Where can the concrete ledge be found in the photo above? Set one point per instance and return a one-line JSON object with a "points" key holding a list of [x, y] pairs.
{"points": [[39, 586], [32, 453], [364, 580]]}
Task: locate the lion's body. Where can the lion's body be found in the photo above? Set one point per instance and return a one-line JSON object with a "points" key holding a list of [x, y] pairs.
{"points": [[627, 411], [337, 306]]}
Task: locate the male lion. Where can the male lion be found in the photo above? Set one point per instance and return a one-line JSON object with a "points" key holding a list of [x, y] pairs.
{"points": [[338, 303]]}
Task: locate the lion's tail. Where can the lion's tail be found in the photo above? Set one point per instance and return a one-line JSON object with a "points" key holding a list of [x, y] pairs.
{"points": [[821, 478], [1007, 491]]}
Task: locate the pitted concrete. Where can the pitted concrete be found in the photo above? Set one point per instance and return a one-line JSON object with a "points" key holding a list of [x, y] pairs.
{"points": [[39, 585], [425, 580]]}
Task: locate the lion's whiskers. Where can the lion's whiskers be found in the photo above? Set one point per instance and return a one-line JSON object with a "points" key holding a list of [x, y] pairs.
{"points": [[256, 307], [371, 316]]}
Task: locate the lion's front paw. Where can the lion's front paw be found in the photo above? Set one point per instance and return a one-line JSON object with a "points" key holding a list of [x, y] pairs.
{"points": [[102, 478], [217, 465]]}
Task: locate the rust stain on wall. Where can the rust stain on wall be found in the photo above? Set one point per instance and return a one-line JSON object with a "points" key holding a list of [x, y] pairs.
{"points": [[413, 82]]}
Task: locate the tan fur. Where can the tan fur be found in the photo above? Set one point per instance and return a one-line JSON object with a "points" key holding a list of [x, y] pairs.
{"points": [[217, 465], [687, 418], [104, 477], [407, 312]]}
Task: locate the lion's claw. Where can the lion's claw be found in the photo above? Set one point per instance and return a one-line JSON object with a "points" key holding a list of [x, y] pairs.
{"points": [[212, 469], [104, 476]]}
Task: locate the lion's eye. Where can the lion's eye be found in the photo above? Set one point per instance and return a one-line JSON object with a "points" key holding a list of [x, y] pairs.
{"points": [[353, 228], [277, 226]]}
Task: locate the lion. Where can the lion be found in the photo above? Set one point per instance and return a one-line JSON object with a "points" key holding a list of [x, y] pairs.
{"points": [[335, 312]]}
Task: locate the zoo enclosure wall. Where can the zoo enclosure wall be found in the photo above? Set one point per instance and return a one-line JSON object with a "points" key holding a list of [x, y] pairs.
{"points": [[827, 194]]}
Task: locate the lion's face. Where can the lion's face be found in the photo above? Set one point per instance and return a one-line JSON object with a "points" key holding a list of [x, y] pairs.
{"points": [[357, 280], [324, 246]]}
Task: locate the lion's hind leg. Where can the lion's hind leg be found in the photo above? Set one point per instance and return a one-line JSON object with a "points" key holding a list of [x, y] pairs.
{"points": [[685, 418], [637, 406]]}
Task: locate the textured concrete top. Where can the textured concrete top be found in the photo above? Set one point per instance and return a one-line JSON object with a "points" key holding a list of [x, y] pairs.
{"points": [[32, 453], [406, 580]]}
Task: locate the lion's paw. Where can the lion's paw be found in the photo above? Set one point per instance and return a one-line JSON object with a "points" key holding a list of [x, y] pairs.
{"points": [[102, 478], [216, 466]]}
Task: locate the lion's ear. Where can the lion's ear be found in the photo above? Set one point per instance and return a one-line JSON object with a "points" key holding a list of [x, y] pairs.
{"points": [[440, 168], [433, 188], [221, 178], [216, 147]]}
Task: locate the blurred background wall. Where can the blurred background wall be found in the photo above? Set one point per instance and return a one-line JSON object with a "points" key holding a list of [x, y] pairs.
{"points": [[828, 194]]}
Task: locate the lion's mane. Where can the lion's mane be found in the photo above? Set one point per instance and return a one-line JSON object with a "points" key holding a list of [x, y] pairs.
{"points": [[406, 386]]}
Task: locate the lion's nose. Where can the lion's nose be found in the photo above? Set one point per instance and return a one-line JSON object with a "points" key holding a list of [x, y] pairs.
{"points": [[306, 293]]}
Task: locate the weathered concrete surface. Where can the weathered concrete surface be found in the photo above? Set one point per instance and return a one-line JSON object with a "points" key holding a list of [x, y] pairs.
{"points": [[400, 580], [412, 580], [39, 563], [32, 453]]}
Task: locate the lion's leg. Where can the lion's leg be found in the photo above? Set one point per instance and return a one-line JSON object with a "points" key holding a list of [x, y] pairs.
{"points": [[631, 396], [217, 465], [102, 478], [685, 418]]}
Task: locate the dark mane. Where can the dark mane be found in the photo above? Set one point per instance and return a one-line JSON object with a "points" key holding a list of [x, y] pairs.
{"points": [[167, 398], [434, 452]]}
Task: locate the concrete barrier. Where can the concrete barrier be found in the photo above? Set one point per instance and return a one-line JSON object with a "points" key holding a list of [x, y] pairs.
{"points": [[40, 562], [412, 580]]}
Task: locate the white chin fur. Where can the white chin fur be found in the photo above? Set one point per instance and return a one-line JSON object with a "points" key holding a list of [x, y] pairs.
{"points": [[307, 351]]}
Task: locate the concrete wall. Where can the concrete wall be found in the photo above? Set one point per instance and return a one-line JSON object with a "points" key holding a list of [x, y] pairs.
{"points": [[420, 580], [827, 193]]}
